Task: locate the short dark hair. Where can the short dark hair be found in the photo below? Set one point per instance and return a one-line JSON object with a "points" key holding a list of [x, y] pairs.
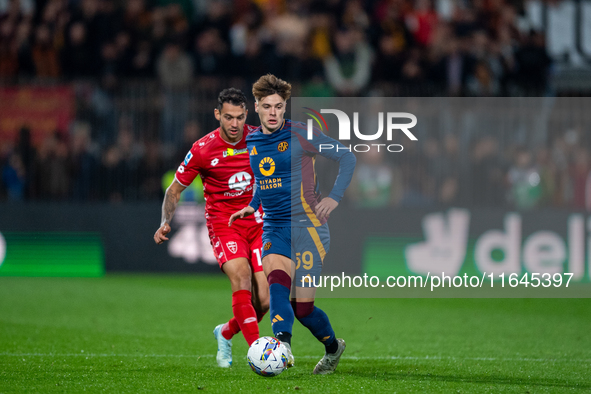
{"points": [[268, 85], [233, 96]]}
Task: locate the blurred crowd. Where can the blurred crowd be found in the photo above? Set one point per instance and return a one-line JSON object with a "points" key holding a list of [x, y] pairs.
{"points": [[489, 174], [437, 172], [325, 48], [334, 47]]}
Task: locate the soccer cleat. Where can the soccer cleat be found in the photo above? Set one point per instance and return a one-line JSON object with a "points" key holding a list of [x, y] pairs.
{"points": [[329, 362], [290, 359], [224, 356]]}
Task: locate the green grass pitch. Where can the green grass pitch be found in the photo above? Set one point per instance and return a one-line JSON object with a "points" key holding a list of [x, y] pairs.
{"points": [[153, 333]]}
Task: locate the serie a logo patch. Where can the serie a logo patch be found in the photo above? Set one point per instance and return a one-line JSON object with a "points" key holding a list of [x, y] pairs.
{"points": [[282, 147], [267, 246]]}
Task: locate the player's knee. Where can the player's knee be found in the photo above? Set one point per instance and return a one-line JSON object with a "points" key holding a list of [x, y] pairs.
{"points": [[241, 282], [302, 309]]}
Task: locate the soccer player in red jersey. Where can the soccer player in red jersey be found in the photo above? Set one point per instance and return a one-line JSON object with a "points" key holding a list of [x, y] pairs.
{"points": [[222, 160]]}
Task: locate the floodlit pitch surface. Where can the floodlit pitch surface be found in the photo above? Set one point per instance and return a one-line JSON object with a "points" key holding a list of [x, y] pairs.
{"points": [[132, 333]]}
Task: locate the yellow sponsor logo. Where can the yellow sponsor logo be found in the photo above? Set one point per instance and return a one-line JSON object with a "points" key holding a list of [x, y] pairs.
{"points": [[268, 246], [267, 166], [253, 152], [234, 152]]}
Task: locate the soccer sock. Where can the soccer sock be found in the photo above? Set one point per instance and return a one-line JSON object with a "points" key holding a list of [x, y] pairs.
{"points": [[230, 329], [282, 316], [245, 315], [315, 320]]}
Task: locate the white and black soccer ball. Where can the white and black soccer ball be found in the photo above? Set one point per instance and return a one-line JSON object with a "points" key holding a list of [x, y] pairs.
{"points": [[267, 356]]}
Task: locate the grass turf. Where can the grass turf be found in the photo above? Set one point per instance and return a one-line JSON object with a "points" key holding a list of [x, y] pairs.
{"points": [[153, 333]]}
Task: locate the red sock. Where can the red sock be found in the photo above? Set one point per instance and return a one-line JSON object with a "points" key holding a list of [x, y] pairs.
{"points": [[245, 315], [230, 329]]}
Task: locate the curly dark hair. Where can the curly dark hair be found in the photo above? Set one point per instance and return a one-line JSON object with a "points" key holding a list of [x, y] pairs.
{"points": [[233, 96]]}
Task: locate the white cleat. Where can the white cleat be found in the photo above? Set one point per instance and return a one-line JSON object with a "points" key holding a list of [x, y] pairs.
{"points": [[290, 359], [224, 356], [329, 362]]}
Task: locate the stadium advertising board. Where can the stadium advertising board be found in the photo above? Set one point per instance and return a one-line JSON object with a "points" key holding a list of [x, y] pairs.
{"points": [[45, 239], [488, 253], [64, 254]]}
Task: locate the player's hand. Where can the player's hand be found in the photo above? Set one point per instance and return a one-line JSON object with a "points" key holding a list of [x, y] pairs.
{"points": [[160, 235], [325, 207], [244, 212]]}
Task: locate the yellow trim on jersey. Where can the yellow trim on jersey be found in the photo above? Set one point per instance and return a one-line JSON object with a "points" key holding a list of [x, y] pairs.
{"points": [[316, 238], [311, 215], [314, 169]]}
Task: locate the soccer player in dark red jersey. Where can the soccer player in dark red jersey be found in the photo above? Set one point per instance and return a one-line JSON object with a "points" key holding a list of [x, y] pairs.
{"points": [[222, 160]]}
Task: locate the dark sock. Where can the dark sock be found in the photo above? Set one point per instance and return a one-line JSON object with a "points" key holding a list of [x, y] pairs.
{"points": [[315, 320], [284, 337], [332, 347], [280, 309]]}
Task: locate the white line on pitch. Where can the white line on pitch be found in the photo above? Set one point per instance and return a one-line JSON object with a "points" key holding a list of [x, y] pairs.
{"points": [[410, 358]]}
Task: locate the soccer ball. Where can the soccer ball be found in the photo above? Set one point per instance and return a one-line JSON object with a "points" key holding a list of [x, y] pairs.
{"points": [[267, 356]]}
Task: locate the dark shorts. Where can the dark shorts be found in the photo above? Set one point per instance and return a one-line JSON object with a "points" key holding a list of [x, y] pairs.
{"points": [[305, 246]]}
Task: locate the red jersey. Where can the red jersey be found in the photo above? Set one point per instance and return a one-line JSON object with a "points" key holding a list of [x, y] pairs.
{"points": [[227, 178]]}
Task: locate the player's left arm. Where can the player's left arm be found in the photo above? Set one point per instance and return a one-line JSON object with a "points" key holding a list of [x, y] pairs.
{"points": [[320, 144]]}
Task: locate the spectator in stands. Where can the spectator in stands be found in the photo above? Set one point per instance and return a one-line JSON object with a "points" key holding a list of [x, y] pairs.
{"points": [[45, 55], [375, 183], [487, 178], [112, 175], [27, 153], [175, 71], [450, 171], [78, 58], [211, 54], [524, 180], [52, 169], [348, 68], [8, 52], [482, 82], [533, 64], [84, 163], [579, 172], [14, 177], [548, 176]]}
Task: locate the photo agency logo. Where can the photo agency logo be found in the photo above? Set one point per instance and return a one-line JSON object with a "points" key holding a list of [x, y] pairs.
{"points": [[392, 122]]}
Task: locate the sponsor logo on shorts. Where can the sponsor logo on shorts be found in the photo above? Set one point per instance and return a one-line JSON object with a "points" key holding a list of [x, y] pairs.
{"points": [[267, 246], [282, 147], [232, 246]]}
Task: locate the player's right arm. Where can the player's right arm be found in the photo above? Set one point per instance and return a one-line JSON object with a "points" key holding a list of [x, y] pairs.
{"points": [[249, 209], [171, 200], [186, 173]]}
